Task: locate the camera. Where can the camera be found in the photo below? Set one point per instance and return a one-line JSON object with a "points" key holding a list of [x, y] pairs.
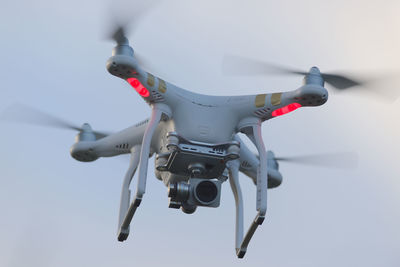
{"points": [[195, 192]]}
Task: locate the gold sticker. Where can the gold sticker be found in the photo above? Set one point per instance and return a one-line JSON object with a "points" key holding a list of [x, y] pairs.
{"points": [[162, 86], [150, 79], [260, 100], [276, 99]]}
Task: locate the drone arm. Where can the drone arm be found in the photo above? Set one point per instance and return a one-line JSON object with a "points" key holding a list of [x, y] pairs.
{"points": [[268, 106], [126, 193], [120, 142], [124, 65]]}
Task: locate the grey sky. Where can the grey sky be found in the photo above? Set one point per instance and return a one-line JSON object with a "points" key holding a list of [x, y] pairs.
{"points": [[59, 212]]}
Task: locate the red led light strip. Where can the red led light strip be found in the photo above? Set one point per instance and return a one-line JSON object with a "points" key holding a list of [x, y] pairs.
{"points": [[286, 109], [135, 83]]}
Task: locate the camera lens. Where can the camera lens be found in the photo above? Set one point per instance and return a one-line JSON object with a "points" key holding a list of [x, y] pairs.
{"points": [[206, 191]]}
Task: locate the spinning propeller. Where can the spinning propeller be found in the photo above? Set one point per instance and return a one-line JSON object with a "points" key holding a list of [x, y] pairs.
{"points": [[26, 114], [125, 18], [126, 21], [339, 160], [235, 65], [119, 35]]}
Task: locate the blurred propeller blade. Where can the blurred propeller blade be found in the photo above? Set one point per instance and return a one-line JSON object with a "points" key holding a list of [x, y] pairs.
{"points": [[21, 113], [235, 65], [125, 17], [341, 82], [339, 160], [26, 114], [119, 35]]}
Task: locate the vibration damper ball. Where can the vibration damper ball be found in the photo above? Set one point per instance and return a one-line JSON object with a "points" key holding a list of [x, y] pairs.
{"points": [[234, 151], [173, 141], [196, 169]]}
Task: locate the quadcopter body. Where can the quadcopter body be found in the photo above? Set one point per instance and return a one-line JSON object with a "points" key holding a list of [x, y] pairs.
{"points": [[195, 141]]}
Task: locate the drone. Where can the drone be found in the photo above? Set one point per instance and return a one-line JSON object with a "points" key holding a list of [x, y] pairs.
{"points": [[195, 140]]}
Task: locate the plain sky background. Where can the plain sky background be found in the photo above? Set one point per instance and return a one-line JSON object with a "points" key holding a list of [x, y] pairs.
{"points": [[56, 211]]}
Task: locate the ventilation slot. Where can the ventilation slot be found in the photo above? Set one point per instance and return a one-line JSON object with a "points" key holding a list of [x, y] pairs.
{"points": [[156, 95], [122, 146], [141, 123], [245, 164], [218, 151], [262, 112]]}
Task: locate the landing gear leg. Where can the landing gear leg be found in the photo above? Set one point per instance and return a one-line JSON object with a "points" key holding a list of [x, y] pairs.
{"points": [[254, 134], [142, 176]]}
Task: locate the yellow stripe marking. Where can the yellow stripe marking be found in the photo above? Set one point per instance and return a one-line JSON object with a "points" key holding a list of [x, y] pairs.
{"points": [[162, 86], [260, 100], [150, 79], [276, 99]]}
